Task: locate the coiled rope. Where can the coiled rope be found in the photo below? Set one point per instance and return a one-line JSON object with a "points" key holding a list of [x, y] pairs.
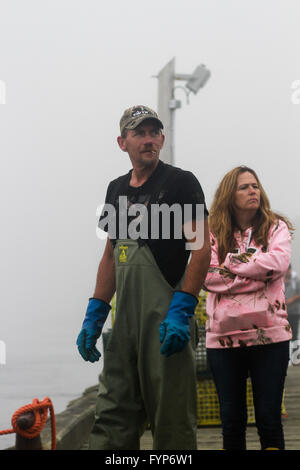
{"points": [[40, 410]]}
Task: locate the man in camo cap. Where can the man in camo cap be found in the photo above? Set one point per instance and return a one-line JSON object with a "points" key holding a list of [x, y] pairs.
{"points": [[149, 373]]}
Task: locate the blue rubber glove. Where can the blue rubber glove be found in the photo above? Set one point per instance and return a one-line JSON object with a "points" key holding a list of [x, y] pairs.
{"points": [[96, 314], [174, 331]]}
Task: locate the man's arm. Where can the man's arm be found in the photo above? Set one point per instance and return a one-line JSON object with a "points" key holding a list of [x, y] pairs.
{"points": [[106, 278], [98, 307], [199, 262], [174, 331]]}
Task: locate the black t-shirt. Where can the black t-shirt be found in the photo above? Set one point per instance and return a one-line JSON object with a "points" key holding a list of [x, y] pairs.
{"points": [[168, 188]]}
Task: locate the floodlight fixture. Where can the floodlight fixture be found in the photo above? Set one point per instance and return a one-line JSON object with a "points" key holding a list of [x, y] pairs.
{"points": [[198, 78]]}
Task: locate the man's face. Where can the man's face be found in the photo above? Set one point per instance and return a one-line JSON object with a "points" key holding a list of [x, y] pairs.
{"points": [[143, 144]]}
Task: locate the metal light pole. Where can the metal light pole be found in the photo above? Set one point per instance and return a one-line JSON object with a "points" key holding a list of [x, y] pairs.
{"points": [[167, 104], [165, 93]]}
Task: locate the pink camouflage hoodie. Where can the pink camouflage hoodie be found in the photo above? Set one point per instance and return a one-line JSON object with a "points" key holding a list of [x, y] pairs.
{"points": [[246, 300]]}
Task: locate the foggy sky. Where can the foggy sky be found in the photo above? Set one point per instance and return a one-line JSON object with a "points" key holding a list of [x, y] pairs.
{"points": [[71, 68]]}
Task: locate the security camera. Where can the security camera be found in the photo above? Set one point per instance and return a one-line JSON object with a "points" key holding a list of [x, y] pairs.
{"points": [[198, 79]]}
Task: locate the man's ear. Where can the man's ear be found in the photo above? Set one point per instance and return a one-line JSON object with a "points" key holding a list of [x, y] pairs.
{"points": [[122, 143], [163, 140]]}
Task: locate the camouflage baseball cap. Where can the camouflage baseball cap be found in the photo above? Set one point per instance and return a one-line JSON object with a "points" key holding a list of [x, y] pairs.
{"points": [[132, 117]]}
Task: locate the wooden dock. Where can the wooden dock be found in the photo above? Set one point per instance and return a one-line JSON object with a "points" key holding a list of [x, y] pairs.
{"points": [[209, 438]]}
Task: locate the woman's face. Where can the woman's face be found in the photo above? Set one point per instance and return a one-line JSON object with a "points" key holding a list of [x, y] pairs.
{"points": [[247, 194]]}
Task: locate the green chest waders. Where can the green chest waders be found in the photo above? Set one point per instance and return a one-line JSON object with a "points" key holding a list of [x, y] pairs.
{"points": [[138, 385]]}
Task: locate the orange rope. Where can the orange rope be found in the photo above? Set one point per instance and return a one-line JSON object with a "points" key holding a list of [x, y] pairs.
{"points": [[40, 410]]}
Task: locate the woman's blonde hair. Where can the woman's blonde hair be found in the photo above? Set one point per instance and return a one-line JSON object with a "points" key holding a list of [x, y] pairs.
{"points": [[222, 221]]}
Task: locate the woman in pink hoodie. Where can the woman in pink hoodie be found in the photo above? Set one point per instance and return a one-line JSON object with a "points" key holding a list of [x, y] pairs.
{"points": [[247, 330]]}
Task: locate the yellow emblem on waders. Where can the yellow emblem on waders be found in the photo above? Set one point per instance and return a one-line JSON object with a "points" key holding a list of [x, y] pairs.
{"points": [[123, 251]]}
